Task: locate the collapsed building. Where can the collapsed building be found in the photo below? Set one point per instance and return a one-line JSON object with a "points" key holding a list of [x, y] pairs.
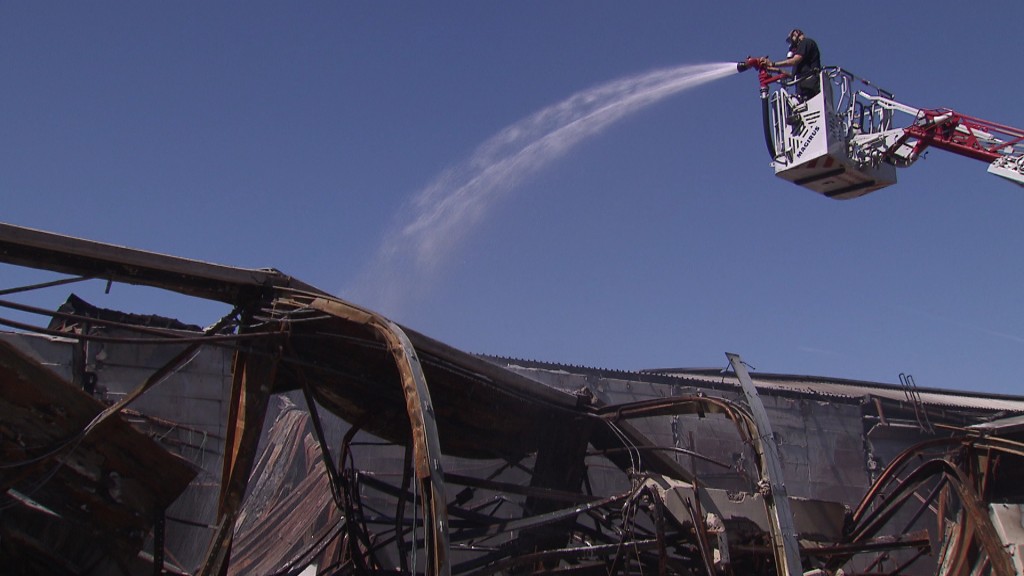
{"points": [[303, 434]]}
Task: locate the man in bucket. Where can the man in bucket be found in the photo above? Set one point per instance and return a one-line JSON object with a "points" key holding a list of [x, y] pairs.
{"points": [[805, 59]]}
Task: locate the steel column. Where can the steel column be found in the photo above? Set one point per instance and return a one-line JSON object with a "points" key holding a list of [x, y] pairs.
{"points": [[784, 542]]}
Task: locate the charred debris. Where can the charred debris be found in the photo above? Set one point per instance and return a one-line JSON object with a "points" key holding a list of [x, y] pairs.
{"points": [[303, 434]]}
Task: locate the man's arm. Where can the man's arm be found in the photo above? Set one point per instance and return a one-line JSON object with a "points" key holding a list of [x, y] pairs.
{"points": [[791, 61]]}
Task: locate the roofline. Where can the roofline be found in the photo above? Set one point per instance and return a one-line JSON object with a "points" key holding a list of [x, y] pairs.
{"points": [[756, 376], [842, 381]]}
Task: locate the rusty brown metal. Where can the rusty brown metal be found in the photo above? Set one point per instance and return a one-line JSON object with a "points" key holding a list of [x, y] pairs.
{"points": [[419, 409], [102, 485], [973, 545], [289, 517], [984, 531], [254, 373]]}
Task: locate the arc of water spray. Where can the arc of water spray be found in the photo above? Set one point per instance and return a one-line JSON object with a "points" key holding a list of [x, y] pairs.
{"points": [[437, 218]]}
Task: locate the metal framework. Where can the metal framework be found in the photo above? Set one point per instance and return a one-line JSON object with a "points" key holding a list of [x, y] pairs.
{"points": [[450, 464], [953, 478]]}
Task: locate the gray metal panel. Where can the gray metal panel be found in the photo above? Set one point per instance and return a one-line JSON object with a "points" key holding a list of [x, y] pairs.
{"points": [[53, 353]]}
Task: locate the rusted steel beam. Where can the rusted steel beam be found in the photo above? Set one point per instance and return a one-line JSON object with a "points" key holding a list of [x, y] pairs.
{"points": [[349, 362], [252, 382], [976, 510], [419, 408], [975, 523], [948, 444]]}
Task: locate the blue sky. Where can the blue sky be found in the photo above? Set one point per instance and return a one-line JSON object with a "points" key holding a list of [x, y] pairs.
{"points": [[294, 135]]}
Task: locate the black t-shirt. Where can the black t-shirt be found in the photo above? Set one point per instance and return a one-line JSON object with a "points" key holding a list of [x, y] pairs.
{"points": [[811, 58]]}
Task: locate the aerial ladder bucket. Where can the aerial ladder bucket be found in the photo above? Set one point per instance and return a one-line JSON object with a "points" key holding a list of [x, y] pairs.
{"points": [[809, 140], [843, 142], [812, 145]]}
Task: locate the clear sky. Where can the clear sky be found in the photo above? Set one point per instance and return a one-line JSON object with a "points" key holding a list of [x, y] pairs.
{"points": [[296, 135]]}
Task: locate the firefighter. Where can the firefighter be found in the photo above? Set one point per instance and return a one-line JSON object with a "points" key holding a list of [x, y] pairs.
{"points": [[805, 59]]}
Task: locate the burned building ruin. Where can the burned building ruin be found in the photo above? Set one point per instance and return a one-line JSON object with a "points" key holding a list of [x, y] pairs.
{"points": [[303, 434]]}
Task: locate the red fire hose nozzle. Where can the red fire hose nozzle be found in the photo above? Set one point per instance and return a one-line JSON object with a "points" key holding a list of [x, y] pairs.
{"points": [[750, 62], [766, 74]]}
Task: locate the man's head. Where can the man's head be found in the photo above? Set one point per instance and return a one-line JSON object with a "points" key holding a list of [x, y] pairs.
{"points": [[795, 36]]}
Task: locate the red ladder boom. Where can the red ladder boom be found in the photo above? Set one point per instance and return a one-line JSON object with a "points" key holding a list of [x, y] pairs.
{"points": [[964, 135]]}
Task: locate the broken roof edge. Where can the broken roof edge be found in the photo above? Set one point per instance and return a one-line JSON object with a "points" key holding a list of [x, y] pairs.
{"points": [[70, 255], [39, 249]]}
